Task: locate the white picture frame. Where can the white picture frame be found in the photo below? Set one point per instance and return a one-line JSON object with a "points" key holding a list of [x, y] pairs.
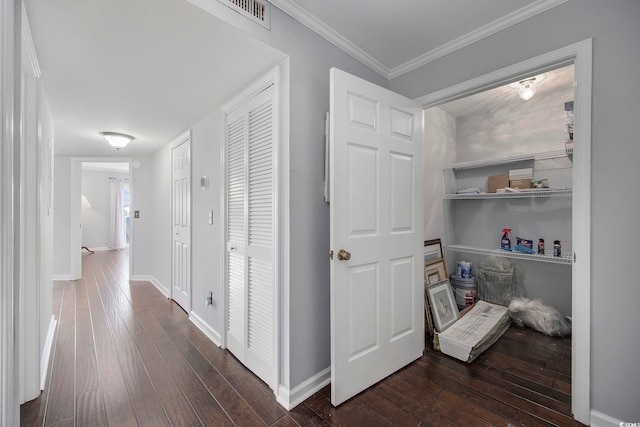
{"points": [[443, 305]]}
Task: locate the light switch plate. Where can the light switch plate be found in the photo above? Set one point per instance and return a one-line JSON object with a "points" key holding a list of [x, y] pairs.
{"points": [[211, 217]]}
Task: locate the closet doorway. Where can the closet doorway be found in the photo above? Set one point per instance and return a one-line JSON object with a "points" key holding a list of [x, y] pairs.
{"points": [[473, 125]]}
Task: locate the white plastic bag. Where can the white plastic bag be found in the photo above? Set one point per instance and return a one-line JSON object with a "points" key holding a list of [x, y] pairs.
{"points": [[539, 316]]}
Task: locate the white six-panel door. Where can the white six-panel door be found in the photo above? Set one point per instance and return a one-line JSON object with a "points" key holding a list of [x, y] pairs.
{"points": [[250, 225], [376, 219], [181, 214]]}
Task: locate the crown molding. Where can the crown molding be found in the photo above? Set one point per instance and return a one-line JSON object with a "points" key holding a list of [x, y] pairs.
{"points": [[314, 24], [32, 66], [491, 28], [295, 11]]}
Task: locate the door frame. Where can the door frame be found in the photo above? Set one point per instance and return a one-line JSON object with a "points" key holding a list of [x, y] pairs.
{"points": [[278, 77], [183, 138], [580, 54], [9, 138], [75, 212]]}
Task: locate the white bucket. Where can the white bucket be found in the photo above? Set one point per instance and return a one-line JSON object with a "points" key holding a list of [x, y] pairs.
{"points": [[465, 290]]}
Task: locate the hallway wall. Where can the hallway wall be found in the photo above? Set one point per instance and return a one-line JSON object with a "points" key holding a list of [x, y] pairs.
{"points": [[61, 214]]}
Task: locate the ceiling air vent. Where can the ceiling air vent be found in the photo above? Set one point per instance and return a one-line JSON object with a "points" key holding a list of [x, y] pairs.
{"points": [[255, 10]]}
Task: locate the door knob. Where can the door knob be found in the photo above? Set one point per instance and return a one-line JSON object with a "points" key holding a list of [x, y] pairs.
{"points": [[344, 255]]}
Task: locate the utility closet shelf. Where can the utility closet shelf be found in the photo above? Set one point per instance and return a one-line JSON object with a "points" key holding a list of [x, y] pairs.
{"points": [[564, 192], [547, 155], [565, 259]]}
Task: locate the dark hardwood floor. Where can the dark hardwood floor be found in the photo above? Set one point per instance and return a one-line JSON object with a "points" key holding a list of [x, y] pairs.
{"points": [[124, 355]]}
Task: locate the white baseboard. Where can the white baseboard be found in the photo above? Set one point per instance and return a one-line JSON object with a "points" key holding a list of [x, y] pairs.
{"points": [[61, 277], [211, 333], [99, 249], [46, 352], [144, 277], [598, 419], [289, 399]]}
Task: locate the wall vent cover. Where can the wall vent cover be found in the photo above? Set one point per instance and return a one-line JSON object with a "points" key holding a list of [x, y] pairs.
{"points": [[257, 11]]}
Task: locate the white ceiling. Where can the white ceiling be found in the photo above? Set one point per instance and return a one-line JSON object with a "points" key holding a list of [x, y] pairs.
{"points": [[153, 68], [558, 80], [149, 68]]}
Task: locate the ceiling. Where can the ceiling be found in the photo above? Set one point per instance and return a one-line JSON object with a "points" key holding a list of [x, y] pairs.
{"points": [[557, 80], [153, 68], [148, 68], [394, 37]]}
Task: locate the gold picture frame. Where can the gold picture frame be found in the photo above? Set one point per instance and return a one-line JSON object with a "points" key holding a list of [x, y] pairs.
{"points": [[435, 271]]}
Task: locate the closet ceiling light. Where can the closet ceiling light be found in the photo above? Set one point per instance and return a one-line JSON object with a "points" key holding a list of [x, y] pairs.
{"points": [[527, 87], [117, 140]]}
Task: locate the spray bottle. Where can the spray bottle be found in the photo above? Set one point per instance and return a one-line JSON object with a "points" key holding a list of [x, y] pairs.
{"points": [[505, 243]]}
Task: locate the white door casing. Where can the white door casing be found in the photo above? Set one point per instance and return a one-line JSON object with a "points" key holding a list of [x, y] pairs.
{"points": [[250, 229], [376, 215], [181, 220]]}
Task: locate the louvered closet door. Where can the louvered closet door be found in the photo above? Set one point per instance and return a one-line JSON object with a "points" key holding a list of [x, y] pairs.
{"points": [[250, 235]]}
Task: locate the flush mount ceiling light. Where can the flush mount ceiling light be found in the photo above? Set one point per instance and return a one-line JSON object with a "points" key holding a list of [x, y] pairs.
{"points": [[117, 140], [527, 87]]}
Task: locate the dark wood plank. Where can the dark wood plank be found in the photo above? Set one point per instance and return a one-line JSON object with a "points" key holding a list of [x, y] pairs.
{"points": [[90, 409], [145, 401], [469, 377], [240, 412], [304, 416], [61, 394], [208, 410], [422, 398], [155, 331], [257, 395], [111, 377], [158, 371], [118, 408], [86, 370], [181, 413]]}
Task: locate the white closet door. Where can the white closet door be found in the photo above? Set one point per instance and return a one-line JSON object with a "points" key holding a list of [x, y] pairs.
{"points": [[250, 235], [181, 253]]}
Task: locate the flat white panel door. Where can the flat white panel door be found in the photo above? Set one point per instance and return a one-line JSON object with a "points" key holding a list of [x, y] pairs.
{"points": [[181, 214], [376, 216], [250, 217]]}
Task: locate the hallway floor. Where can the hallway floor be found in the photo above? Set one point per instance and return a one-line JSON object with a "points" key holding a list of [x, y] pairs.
{"points": [[124, 355]]}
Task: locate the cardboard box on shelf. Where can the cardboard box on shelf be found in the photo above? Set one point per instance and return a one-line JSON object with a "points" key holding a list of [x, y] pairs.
{"points": [[497, 181], [520, 183]]}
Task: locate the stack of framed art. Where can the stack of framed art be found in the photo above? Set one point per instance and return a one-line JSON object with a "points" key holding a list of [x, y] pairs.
{"points": [[440, 307]]}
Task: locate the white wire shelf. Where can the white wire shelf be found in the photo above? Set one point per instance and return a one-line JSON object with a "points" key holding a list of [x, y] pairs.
{"points": [[547, 155], [565, 259], [523, 194]]}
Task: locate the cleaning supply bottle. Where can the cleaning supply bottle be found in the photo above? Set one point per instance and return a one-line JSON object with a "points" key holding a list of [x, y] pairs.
{"points": [[505, 243]]}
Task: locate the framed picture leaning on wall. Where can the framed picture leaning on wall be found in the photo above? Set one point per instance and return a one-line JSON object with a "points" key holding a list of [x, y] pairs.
{"points": [[443, 305]]}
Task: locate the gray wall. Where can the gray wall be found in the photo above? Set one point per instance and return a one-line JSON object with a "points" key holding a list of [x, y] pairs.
{"points": [[311, 58], [159, 245], [61, 212], [616, 107], [142, 232], [207, 255]]}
